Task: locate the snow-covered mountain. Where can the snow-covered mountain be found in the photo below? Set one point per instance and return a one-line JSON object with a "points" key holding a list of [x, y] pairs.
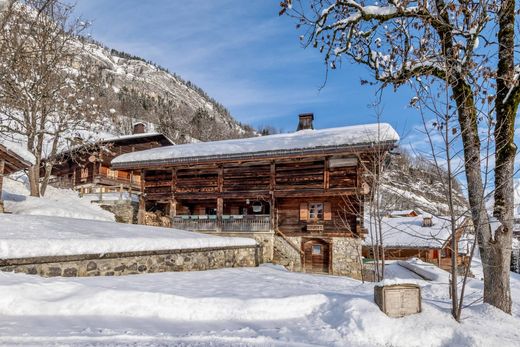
{"points": [[132, 89], [412, 183]]}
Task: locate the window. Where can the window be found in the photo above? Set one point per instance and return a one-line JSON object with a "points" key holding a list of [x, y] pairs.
{"points": [[316, 249], [316, 210], [112, 173]]}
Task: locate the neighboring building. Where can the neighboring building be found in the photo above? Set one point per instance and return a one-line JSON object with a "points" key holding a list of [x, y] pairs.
{"points": [[403, 213], [425, 237], [87, 169], [288, 191], [13, 158]]}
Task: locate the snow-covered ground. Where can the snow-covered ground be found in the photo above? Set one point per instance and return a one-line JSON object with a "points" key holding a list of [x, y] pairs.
{"points": [[56, 202], [265, 306], [32, 236]]}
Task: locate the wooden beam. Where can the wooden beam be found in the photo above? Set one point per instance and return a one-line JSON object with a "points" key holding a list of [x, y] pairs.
{"points": [[272, 177], [142, 202], [220, 179], [326, 173]]}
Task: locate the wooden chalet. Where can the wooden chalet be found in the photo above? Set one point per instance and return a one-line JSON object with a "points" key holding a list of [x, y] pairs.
{"points": [[87, 168], [423, 236], [13, 158], [285, 190]]}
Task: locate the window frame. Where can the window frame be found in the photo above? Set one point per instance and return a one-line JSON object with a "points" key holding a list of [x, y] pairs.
{"points": [[316, 211]]}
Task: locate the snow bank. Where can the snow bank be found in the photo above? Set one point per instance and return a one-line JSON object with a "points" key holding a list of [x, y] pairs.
{"points": [[427, 271], [33, 236], [300, 140], [56, 202], [20, 295]]}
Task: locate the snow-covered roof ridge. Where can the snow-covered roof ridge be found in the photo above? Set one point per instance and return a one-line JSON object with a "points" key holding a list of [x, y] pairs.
{"points": [[300, 141], [18, 151]]}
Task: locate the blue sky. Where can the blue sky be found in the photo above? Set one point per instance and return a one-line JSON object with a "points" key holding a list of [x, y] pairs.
{"points": [[246, 57]]}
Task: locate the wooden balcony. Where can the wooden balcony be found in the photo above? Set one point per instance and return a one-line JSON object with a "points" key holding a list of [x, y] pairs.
{"points": [[228, 223]]}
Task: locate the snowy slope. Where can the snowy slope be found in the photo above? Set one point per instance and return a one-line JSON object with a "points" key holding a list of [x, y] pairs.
{"points": [[56, 202], [265, 306]]}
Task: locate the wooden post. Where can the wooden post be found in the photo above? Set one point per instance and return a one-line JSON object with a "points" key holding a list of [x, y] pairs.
{"points": [[142, 203], [121, 190], [272, 177], [2, 167], [220, 211], [326, 174]]}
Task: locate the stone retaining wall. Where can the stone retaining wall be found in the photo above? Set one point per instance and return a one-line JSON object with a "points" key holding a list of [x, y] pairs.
{"points": [[127, 263]]}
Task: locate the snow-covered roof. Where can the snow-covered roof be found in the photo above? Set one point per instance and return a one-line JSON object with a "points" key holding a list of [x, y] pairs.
{"points": [[18, 151], [409, 232], [131, 137], [402, 212], [293, 143], [34, 236]]}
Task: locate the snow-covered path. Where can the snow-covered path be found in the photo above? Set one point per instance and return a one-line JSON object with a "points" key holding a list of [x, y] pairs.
{"points": [[265, 306]]}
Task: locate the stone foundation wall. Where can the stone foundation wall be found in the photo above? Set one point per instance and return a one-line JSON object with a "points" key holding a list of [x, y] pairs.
{"points": [[128, 263], [124, 211], [157, 219], [286, 255], [264, 239], [346, 255]]}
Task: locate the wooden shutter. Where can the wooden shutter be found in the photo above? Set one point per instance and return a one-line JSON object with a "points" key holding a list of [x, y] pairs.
{"points": [[327, 211], [304, 211]]}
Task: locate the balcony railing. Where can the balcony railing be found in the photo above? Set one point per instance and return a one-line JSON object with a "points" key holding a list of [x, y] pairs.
{"points": [[227, 223]]}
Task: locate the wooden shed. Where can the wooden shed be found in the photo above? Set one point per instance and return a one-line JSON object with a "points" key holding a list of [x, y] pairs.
{"points": [[13, 158]]}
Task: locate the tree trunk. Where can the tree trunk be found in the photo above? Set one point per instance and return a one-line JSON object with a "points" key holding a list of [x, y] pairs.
{"points": [[469, 131], [34, 177], [499, 247]]}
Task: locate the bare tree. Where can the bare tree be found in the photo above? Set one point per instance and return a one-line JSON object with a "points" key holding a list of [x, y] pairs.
{"points": [[401, 41], [44, 89]]}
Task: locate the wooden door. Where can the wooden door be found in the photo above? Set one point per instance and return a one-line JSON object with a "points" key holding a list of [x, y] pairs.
{"points": [[316, 256]]}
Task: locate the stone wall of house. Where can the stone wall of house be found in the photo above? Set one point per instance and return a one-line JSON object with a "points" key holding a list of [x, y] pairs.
{"points": [[124, 211], [346, 255], [127, 263], [286, 255]]}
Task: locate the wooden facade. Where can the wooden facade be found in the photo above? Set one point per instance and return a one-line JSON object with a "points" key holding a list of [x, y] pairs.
{"points": [[87, 168], [291, 197], [307, 197]]}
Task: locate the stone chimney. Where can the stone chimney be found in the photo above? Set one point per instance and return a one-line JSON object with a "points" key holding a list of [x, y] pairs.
{"points": [[139, 128], [305, 122]]}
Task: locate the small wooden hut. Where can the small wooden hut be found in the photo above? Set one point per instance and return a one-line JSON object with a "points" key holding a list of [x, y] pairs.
{"points": [[13, 158]]}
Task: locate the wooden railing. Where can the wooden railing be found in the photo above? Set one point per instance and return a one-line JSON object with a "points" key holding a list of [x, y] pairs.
{"points": [[227, 223]]}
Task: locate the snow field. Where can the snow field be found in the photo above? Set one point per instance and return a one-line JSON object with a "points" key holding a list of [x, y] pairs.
{"points": [[36, 236], [265, 306]]}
